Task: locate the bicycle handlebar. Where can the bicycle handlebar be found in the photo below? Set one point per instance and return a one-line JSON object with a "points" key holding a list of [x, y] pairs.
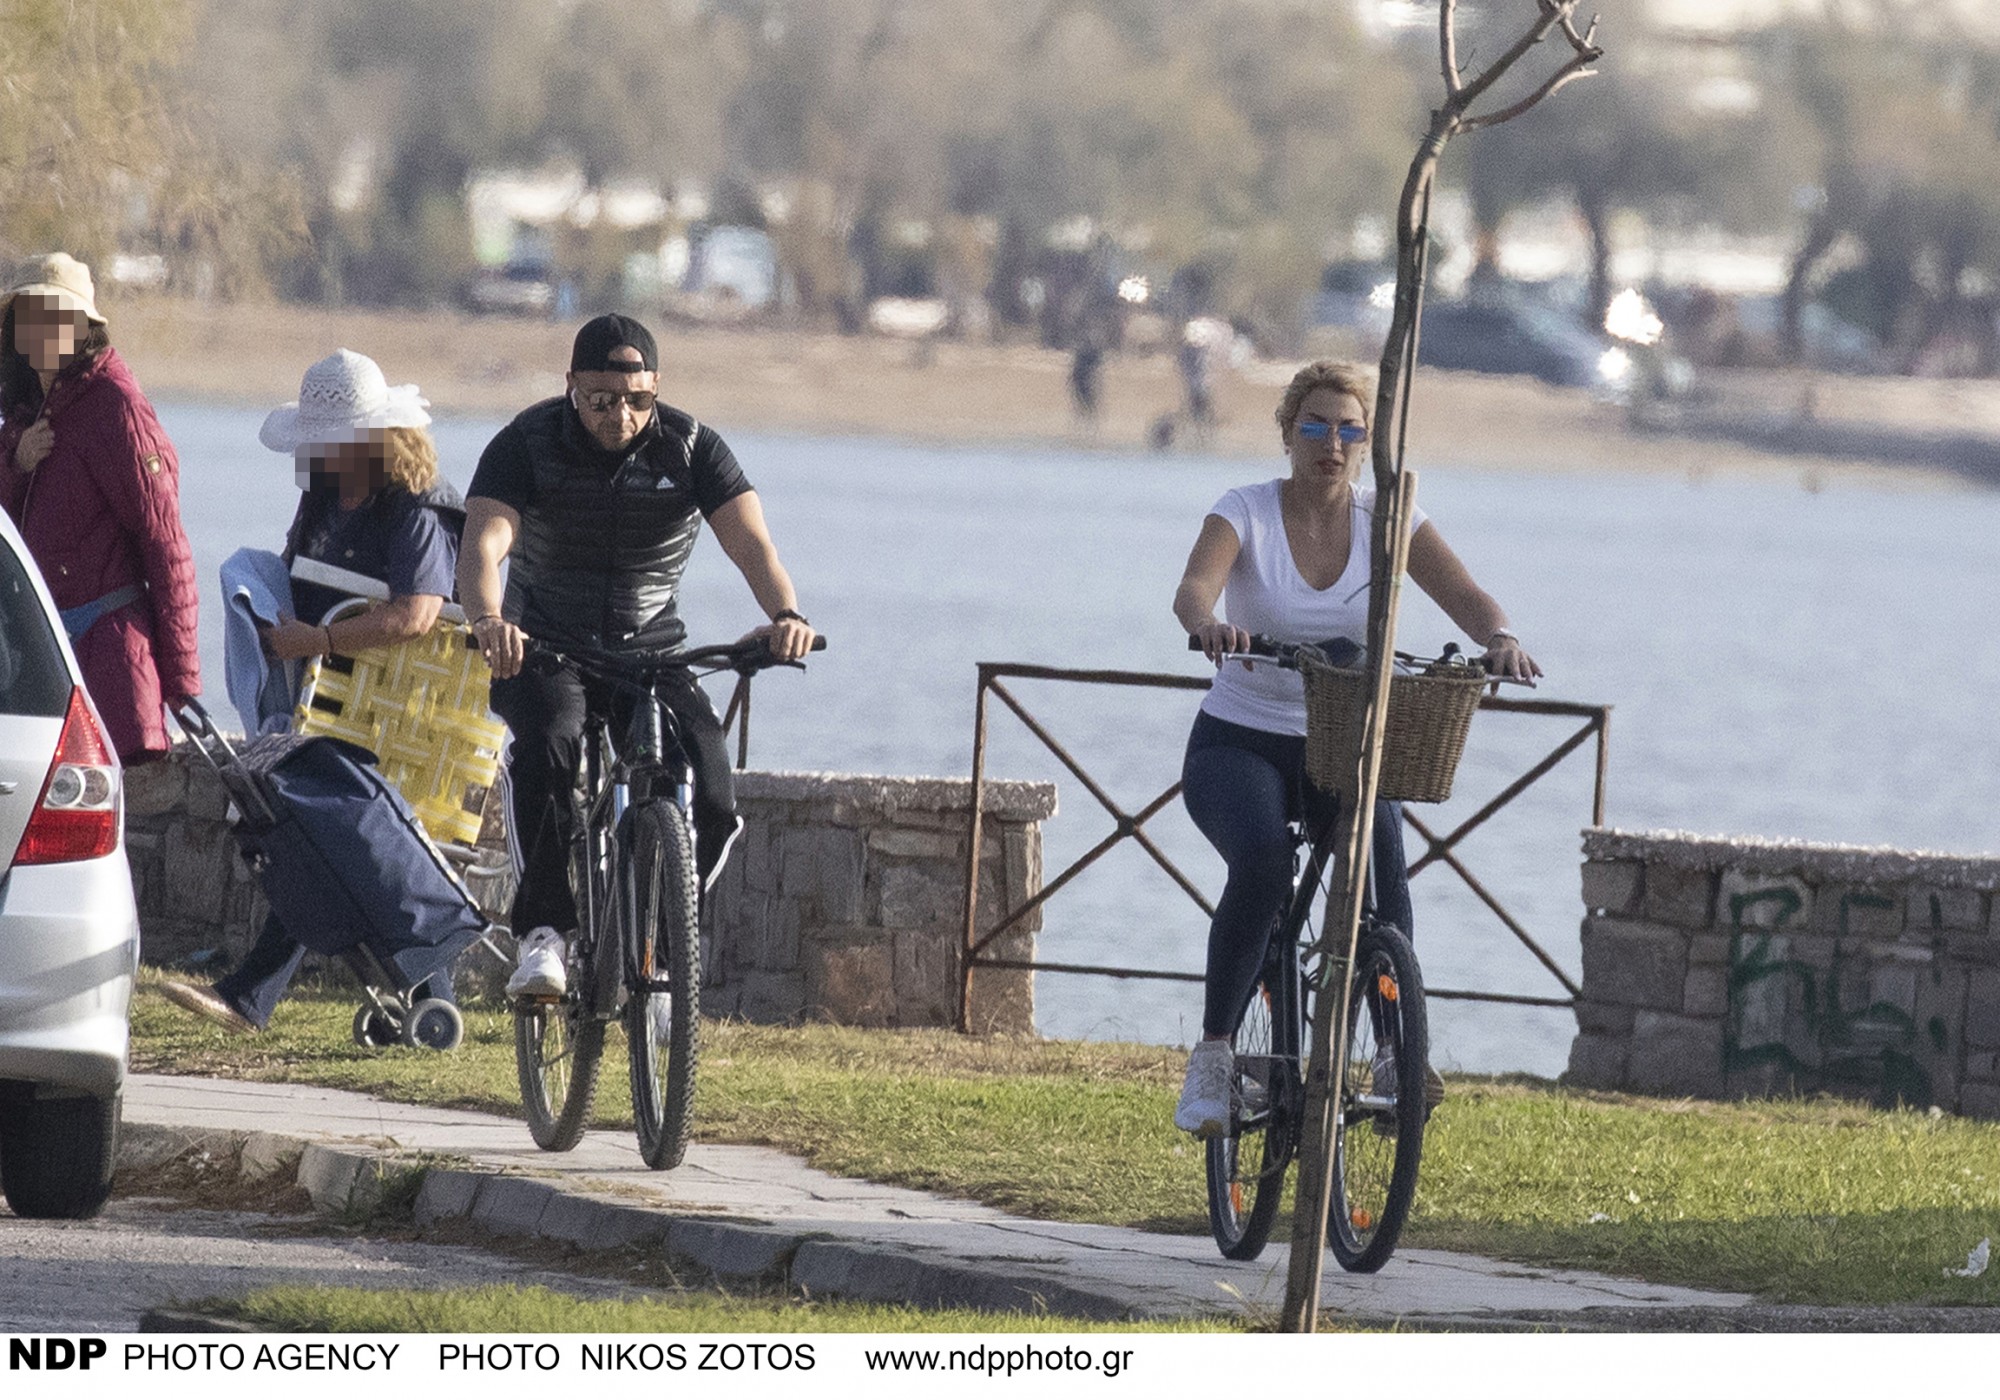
{"points": [[1285, 654], [746, 658]]}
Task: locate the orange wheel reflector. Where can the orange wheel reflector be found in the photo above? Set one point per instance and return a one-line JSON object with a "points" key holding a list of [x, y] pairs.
{"points": [[1386, 985], [1236, 1196], [1360, 1219]]}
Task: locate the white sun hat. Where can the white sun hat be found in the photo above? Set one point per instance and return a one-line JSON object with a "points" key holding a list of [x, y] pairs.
{"points": [[342, 397]]}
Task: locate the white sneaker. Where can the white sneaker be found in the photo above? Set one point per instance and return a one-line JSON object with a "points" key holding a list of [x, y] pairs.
{"points": [[1204, 1106], [540, 971], [660, 1011], [1382, 1073], [1383, 1076]]}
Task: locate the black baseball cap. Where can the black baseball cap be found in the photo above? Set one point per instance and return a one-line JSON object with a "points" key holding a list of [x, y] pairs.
{"points": [[603, 334]]}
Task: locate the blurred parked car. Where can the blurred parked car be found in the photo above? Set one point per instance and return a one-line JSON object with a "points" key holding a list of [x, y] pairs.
{"points": [[740, 263], [1499, 337], [69, 929], [519, 289], [1358, 295]]}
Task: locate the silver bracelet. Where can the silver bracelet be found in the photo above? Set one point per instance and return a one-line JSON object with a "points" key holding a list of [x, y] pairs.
{"points": [[1497, 633]]}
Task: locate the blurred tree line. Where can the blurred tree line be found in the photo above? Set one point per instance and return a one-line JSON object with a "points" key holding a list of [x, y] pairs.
{"points": [[322, 151]]}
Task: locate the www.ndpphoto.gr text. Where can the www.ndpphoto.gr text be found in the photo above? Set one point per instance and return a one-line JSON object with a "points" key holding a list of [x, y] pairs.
{"points": [[1000, 1361]]}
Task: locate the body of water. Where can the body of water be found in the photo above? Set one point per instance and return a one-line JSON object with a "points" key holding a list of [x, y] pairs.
{"points": [[1782, 663]]}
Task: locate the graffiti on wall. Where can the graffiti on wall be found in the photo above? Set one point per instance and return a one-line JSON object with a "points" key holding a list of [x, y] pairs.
{"points": [[1812, 1011]]}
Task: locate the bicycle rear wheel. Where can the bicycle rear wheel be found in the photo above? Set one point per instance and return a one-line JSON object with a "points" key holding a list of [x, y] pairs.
{"points": [[557, 1050], [1246, 1165], [1379, 1131], [659, 910]]}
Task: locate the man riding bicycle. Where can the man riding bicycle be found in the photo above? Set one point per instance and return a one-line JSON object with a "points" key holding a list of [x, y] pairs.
{"points": [[598, 497]]}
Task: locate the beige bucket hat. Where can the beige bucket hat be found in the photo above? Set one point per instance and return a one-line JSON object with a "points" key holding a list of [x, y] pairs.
{"points": [[62, 277]]}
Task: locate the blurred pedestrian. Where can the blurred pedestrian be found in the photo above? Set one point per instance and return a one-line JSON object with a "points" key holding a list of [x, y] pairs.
{"points": [[92, 481], [1086, 376], [1197, 383]]}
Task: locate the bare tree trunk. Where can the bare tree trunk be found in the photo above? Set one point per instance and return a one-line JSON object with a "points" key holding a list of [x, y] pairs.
{"points": [[1394, 502]]}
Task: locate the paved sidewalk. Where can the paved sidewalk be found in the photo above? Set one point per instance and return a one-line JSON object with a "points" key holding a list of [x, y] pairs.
{"points": [[751, 1214]]}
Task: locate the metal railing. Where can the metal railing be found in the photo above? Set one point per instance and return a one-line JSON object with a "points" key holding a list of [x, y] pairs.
{"points": [[1131, 826]]}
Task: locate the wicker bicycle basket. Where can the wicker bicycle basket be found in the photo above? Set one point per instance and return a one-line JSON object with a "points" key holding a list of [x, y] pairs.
{"points": [[1429, 714]]}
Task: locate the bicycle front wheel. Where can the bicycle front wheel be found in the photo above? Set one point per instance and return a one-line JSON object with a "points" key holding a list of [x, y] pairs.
{"points": [[1246, 1163], [557, 1049], [659, 909], [1379, 1131]]}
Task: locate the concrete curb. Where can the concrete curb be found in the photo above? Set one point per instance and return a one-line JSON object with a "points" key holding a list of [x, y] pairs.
{"points": [[349, 1179]]}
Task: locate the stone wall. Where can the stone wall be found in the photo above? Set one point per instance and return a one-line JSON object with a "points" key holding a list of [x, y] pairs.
{"points": [[843, 900], [1721, 968]]}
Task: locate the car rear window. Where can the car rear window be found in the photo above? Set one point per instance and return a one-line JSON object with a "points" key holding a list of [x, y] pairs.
{"points": [[33, 678]]}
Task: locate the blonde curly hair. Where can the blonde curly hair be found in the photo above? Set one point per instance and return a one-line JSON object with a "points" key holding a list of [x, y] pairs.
{"points": [[1324, 374], [409, 458]]}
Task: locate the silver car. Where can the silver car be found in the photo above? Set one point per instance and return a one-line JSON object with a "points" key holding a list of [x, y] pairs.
{"points": [[69, 930]]}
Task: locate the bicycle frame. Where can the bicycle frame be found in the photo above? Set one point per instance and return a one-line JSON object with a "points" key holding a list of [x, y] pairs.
{"points": [[613, 782], [1290, 953]]}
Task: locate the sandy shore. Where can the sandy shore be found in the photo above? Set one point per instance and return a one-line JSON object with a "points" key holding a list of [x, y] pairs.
{"points": [[807, 382]]}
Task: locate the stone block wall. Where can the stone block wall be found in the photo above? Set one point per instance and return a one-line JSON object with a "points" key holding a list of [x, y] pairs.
{"points": [[1723, 968], [843, 900]]}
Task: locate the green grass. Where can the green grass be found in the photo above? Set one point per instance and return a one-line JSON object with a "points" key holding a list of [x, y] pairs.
{"points": [[510, 1309], [1819, 1201]]}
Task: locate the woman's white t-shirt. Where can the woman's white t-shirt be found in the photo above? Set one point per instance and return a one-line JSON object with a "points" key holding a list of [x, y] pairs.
{"points": [[1265, 593]]}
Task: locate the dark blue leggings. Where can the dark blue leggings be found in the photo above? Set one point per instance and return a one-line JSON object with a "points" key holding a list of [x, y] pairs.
{"points": [[1242, 786]]}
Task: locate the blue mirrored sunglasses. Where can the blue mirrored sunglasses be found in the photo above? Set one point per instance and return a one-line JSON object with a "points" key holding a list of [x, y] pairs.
{"points": [[1315, 431]]}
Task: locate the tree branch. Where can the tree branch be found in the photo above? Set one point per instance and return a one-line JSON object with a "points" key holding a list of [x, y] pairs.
{"points": [[1448, 47], [1554, 12], [1578, 67]]}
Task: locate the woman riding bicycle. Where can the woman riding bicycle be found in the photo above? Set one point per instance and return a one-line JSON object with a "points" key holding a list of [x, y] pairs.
{"points": [[1289, 559]]}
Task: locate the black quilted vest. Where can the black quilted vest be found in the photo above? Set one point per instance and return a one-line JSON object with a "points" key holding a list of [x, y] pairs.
{"points": [[598, 557]]}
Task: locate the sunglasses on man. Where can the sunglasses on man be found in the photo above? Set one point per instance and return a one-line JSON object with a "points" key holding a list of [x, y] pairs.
{"points": [[604, 401], [1313, 430]]}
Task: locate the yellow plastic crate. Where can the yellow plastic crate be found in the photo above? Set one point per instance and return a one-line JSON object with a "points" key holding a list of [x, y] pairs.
{"points": [[421, 708]]}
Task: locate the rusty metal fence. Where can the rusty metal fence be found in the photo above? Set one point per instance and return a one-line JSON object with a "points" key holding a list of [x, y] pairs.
{"points": [[1130, 825]]}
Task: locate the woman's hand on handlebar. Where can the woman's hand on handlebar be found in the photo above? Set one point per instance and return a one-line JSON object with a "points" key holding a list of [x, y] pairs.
{"points": [[1507, 658], [501, 643], [1219, 638]]}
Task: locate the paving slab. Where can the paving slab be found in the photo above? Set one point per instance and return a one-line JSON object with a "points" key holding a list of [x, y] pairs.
{"points": [[744, 1213]]}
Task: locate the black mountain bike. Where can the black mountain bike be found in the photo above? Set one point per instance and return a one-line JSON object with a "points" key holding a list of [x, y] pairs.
{"points": [[636, 953], [1379, 1125]]}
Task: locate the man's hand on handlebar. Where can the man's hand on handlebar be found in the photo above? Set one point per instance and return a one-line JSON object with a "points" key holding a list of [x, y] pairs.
{"points": [[502, 644], [788, 639]]}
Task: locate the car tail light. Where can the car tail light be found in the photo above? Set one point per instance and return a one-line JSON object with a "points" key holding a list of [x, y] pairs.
{"points": [[76, 816]]}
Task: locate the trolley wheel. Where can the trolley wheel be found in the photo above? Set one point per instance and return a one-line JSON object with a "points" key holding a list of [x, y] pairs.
{"points": [[434, 1024], [373, 1029], [1379, 1129]]}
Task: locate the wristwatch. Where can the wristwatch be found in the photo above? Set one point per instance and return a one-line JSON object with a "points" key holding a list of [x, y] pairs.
{"points": [[1500, 633]]}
